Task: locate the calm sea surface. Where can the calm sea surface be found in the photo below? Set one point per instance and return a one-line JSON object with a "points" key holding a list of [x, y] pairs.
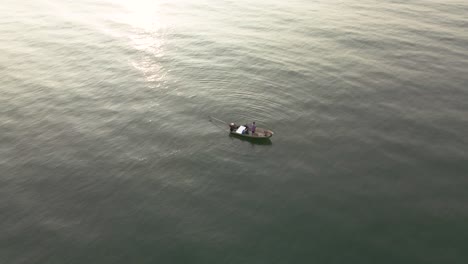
{"points": [[108, 155]]}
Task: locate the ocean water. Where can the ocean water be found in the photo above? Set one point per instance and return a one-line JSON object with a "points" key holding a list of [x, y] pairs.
{"points": [[108, 154]]}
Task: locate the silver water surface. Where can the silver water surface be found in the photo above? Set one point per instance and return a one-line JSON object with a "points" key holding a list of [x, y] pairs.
{"points": [[107, 153]]}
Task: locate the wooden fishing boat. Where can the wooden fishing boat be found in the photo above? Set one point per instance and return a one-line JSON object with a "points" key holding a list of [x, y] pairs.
{"points": [[260, 133], [244, 132]]}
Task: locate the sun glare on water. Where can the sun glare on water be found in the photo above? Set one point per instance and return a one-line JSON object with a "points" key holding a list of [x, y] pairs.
{"points": [[143, 24], [143, 14]]}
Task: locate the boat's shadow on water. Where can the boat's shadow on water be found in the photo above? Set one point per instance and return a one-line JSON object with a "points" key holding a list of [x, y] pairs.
{"points": [[253, 141]]}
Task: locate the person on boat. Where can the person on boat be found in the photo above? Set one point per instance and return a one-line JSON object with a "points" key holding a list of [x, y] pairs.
{"points": [[253, 128], [233, 127], [246, 130]]}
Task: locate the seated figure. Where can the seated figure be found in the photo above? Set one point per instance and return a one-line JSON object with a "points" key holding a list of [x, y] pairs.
{"points": [[233, 127]]}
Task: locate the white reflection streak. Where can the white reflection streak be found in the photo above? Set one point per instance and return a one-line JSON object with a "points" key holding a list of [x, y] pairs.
{"points": [[146, 34]]}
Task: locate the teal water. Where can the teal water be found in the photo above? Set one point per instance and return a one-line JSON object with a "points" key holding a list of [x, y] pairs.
{"points": [[107, 154]]}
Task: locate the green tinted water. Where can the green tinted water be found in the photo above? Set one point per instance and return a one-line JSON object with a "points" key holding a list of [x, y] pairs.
{"points": [[107, 154]]}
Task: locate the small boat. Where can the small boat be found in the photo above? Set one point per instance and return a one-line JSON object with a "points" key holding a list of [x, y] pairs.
{"points": [[243, 131]]}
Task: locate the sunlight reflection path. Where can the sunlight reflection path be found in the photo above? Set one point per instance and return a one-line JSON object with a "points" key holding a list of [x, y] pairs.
{"points": [[147, 34]]}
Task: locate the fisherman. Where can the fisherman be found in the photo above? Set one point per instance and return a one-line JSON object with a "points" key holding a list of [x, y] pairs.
{"points": [[233, 127], [246, 130], [253, 128]]}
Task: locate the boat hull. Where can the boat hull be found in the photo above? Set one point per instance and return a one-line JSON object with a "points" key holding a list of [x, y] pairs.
{"points": [[250, 136], [259, 134]]}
